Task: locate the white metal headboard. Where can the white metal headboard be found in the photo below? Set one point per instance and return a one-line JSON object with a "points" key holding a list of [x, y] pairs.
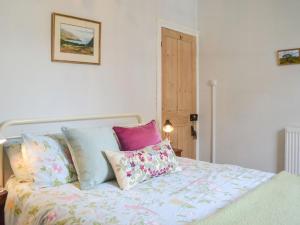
{"points": [[11, 123]]}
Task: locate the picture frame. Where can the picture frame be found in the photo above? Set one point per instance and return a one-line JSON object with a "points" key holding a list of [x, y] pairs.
{"points": [[288, 56], [75, 40]]}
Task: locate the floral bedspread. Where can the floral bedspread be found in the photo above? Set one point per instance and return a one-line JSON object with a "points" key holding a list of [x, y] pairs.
{"points": [[197, 191]]}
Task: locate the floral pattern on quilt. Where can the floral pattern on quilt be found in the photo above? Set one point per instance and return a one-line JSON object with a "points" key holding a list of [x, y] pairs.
{"points": [[197, 191], [133, 167], [46, 161]]}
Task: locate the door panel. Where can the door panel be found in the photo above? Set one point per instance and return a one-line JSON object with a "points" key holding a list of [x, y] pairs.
{"points": [[179, 87], [185, 78], [186, 142], [171, 71]]}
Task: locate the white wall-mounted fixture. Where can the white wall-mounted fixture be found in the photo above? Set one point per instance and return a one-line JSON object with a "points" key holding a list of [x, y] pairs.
{"points": [[213, 85], [292, 150]]}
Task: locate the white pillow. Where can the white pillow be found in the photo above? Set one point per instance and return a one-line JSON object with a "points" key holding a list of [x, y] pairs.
{"points": [[45, 160]]}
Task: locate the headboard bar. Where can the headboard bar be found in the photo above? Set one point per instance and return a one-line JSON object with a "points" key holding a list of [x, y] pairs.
{"points": [[10, 123]]}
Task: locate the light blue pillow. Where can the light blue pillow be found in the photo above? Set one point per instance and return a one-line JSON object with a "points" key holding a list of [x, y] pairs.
{"points": [[87, 146]]}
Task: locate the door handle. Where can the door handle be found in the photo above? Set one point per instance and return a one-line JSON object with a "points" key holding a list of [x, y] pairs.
{"points": [[193, 117], [193, 132]]}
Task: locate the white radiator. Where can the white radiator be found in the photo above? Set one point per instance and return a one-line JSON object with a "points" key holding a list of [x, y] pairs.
{"points": [[292, 150]]}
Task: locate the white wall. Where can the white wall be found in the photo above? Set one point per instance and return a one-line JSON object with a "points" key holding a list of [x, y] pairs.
{"points": [[256, 98], [33, 86], [183, 13], [238, 40]]}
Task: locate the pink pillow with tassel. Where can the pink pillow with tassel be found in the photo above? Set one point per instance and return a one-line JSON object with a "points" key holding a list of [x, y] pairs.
{"points": [[135, 138]]}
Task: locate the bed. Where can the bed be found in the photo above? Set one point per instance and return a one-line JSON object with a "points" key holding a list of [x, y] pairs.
{"points": [[197, 192]]}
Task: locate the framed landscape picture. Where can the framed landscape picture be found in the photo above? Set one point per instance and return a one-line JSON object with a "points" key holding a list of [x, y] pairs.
{"points": [[75, 40], [288, 56]]}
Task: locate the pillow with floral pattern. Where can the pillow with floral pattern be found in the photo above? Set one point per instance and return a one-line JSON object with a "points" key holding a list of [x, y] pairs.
{"points": [[45, 161], [133, 167], [13, 148], [14, 154]]}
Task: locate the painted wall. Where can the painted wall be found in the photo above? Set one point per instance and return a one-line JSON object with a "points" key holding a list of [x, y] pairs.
{"points": [[256, 98], [183, 13], [33, 86]]}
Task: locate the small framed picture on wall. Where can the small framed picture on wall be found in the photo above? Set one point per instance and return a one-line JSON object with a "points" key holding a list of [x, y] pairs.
{"points": [[75, 40], [288, 56]]}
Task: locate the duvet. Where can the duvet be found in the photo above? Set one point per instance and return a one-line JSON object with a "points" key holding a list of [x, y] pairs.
{"points": [[196, 192]]}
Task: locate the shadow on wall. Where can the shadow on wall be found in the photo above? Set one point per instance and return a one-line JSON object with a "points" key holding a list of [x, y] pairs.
{"points": [[280, 150]]}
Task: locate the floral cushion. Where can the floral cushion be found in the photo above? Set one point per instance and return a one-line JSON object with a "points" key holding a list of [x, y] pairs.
{"points": [[63, 144], [133, 167], [13, 150], [14, 154], [46, 161]]}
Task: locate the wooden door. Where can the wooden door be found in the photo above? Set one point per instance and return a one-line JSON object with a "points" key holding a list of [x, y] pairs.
{"points": [[179, 88]]}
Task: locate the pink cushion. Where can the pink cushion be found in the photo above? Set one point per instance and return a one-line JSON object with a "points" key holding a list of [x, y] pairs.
{"points": [[134, 138]]}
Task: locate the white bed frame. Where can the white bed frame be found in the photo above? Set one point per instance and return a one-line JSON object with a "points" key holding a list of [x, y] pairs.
{"points": [[5, 170]]}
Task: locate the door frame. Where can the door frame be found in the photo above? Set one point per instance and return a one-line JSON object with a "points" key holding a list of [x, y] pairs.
{"points": [[183, 29]]}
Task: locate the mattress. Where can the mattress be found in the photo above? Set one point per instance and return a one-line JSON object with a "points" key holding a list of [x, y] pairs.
{"points": [[199, 190]]}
